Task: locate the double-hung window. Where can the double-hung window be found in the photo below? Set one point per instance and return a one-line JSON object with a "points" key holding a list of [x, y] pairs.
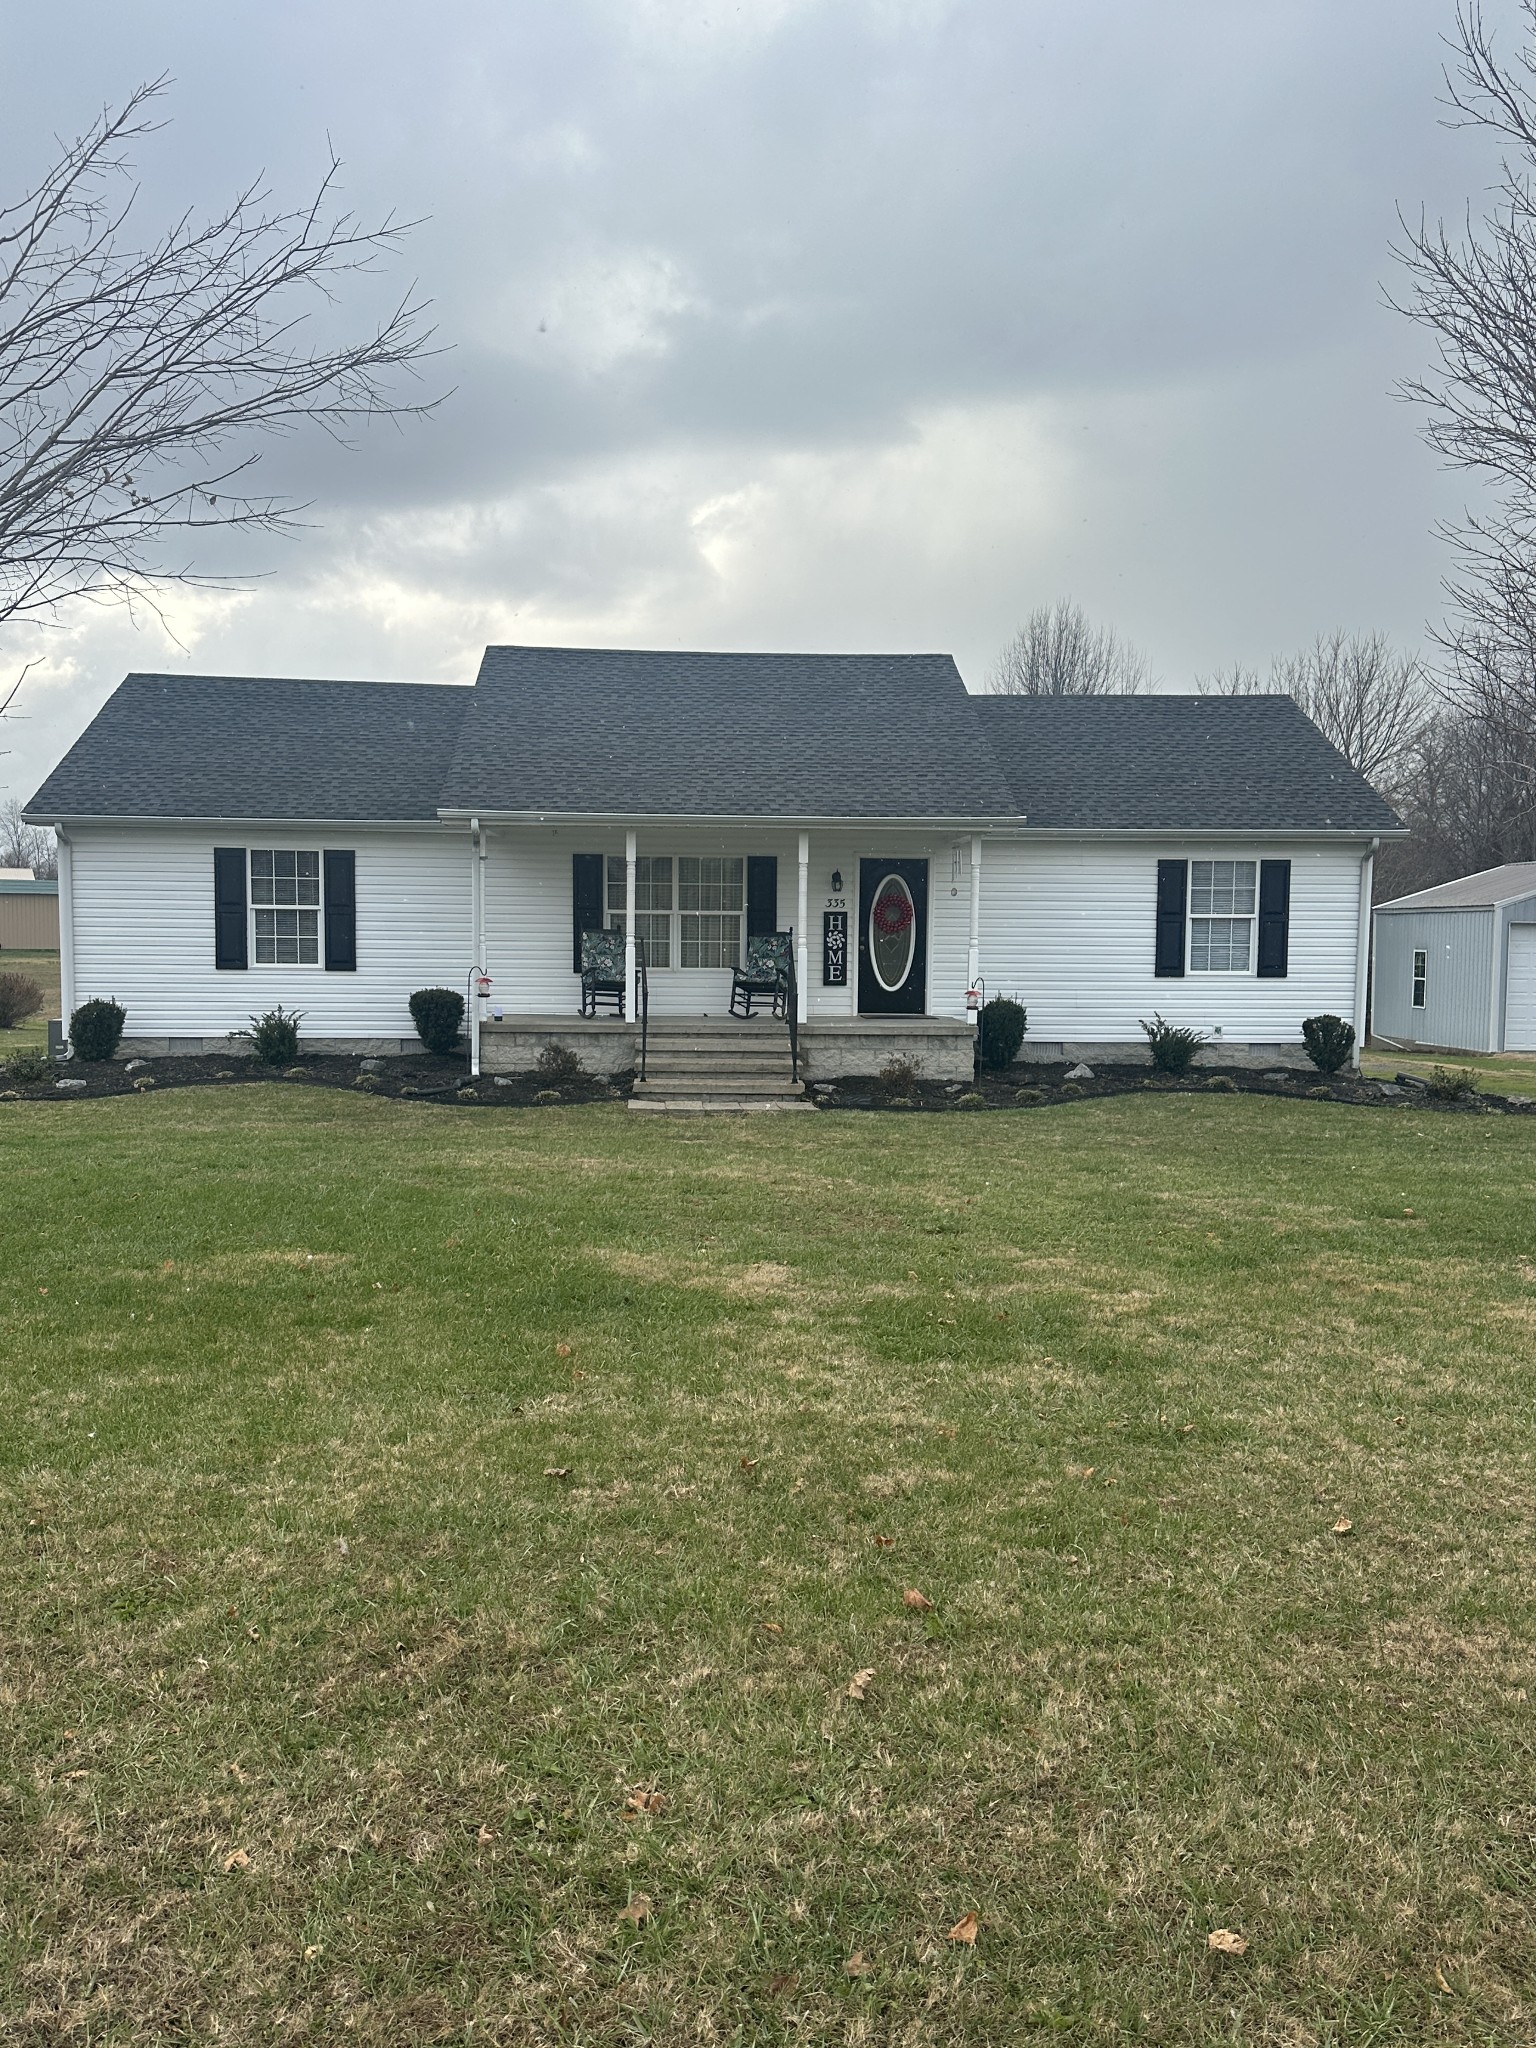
{"points": [[712, 897], [689, 909], [1420, 978], [653, 904], [1221, 910], [285, 904]]}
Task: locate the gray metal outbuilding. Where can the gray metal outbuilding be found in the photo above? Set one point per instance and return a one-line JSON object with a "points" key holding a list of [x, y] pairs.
{"points": [[1456, 966]]}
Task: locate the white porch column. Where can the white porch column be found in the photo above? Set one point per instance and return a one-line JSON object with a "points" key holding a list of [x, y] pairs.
{"points": [[66, 926], [973, 951], [1363, 949], [802, 951], [476, 937], [630, 1005]]}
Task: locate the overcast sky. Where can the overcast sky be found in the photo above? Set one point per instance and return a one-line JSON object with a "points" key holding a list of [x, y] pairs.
{"points": [[826, 324]]}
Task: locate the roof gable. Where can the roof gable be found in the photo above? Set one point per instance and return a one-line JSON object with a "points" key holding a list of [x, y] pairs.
{"points": [[1165, 763], [623, 733]]}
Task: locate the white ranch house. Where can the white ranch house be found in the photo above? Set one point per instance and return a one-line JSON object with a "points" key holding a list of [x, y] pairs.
{"points": [[227, 844]]}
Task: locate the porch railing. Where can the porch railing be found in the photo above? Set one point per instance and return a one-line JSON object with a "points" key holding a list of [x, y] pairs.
{"points": [[792, 1011], [642, 999]]}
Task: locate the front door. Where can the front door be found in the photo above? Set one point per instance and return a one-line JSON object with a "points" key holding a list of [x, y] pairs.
{"points": [[893, 936]]}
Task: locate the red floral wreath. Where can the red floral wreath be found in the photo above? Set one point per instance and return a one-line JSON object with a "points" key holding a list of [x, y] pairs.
{"points": [[892, 914]]}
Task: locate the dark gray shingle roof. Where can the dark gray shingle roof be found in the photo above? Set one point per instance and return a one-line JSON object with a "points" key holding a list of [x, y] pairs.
{"points": [[177, 746], [1254, 764], [612, 732]]}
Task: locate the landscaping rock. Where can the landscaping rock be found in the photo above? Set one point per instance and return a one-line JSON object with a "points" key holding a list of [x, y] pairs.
{"points": [[1409, 1081], [1519, 1101], [503, 1081], [133, 1066], [1276, 1074], [69, 1084], [1079, 1073], [370, 1066], [1388, 1088]]}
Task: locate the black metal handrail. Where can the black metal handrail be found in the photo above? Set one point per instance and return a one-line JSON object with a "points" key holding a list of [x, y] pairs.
{"points": [[792, 1010], [642, 998]]}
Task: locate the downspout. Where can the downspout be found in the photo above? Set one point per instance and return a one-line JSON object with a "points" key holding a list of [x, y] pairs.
{"points": [[973, 950], [1363, 948], [66, 927]]}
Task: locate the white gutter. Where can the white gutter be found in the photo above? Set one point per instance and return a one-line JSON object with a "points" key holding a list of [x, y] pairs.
{"points": [[66, 926], [476, 937], [1363, 947]]}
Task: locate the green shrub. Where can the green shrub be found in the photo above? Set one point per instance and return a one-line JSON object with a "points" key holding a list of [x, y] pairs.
{"points": [[558, 1067], [1071, 1087], [96, 1028], [1329, 1041], [546, 1097], [20, 998], [1027, 1098], [28, 1067], [1222, 1084], [1452, 1084], [1003, 1024], [973, 1100], [1172, 1048], [274, 1036], [437, 1014]]}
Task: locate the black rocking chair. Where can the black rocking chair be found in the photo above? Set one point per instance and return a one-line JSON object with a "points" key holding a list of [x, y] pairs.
{"points": [[764, 977], [602, 972]]}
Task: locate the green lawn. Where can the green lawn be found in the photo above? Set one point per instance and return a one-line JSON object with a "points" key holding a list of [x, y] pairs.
{"points": [[431, 1534], [1500, 1073], [43, 968]]}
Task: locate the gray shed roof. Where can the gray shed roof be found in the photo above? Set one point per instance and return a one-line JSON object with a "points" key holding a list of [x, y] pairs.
{"points": [[620, 733], [1248, 764], [1473, 892], [174, 746]]}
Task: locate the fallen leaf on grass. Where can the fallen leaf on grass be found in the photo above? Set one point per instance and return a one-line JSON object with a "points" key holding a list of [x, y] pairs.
{"points": [[314, 1949], [557, 1471], [70, 1777], [1081, 1471], [783, 1985], [1223, 1942], [240, 1777], [562, 1351], [885, 1542], [859, 1684], [918, 1602], [254, 1633], [748, 1464], [238, 1860], [1440, 1978], [857, 1965], [965, 1929], [641, 1800], [485, 1834], [638, 1910], [772, 1628], [1343, 1526]]}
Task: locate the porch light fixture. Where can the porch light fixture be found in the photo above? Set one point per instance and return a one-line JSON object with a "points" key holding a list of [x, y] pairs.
{"points": [[837, 881]]}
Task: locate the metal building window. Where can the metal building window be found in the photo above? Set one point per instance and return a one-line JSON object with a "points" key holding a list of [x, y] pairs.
{"points": [[1420, 976]]}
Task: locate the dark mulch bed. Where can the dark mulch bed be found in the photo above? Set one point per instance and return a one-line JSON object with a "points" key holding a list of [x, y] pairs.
{"points": [[423, 1076], [427, 1077], [1039, 1086]]}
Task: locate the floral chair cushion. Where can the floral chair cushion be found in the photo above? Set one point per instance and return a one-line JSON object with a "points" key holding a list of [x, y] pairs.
{"points": [[767, 958], [602, 956]]}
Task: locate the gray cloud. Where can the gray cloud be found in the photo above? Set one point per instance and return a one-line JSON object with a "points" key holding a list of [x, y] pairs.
{"points": [[840, 323]]}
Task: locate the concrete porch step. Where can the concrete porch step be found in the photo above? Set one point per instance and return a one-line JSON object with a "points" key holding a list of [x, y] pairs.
{"points": [[694, 1083], [720, 1105], [726, 1059]]}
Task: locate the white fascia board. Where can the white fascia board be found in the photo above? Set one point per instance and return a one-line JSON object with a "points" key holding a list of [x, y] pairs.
{"points": [[227, 823], [703, 820]]}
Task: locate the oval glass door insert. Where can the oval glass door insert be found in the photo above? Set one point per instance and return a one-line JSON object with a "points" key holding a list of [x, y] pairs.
{"points": [[892, 933]]}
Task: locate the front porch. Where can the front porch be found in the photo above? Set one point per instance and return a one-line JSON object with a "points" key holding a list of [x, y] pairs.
{"points": [[831, 1048]]}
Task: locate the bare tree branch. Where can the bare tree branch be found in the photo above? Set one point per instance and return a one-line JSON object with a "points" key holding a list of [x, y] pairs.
{"points": [[1057, 653], [134, 380], [1366, 696]]}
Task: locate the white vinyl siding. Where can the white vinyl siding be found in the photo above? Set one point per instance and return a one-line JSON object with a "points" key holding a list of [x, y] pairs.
{"points": [[1069, 928], [143, 910]]}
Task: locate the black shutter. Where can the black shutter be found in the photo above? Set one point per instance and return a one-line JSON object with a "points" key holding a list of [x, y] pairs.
{"points": [[762, 895], [589, 888], [1172, 893], [340, 912], [1274, 919], [230, 945]]}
